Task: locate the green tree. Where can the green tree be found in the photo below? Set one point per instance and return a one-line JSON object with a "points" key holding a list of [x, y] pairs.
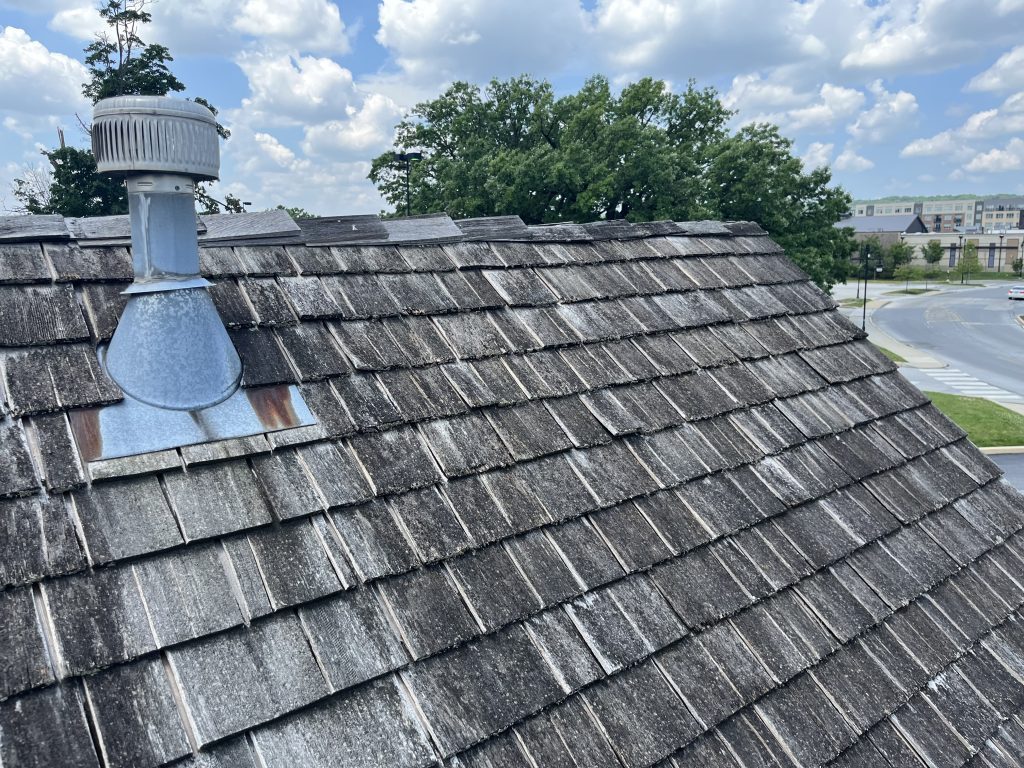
{"points": [[932, 253], [754, 176], [74, 188], [895, 256], [122, 64], [1018, 266], [644, 154], [968, 263], [119, 63], [907, 272], [295, 212]]}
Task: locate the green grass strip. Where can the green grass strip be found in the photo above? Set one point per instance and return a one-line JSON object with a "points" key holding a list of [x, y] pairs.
{"points": [[986, 423], [891, 355]]}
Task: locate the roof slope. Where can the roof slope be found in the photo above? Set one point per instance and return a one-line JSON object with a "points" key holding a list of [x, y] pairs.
{"points": [[868, 224], [581, 496]]}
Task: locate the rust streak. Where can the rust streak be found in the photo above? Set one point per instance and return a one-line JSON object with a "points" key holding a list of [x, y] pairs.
{"points": [[273, 406], [85, 424]]}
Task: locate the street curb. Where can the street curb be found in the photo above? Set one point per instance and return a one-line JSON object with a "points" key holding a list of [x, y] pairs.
{"points": [[1002, 450]]}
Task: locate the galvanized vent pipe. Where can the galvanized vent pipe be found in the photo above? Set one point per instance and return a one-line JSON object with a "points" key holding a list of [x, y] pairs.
{"points": [[170, 348]]}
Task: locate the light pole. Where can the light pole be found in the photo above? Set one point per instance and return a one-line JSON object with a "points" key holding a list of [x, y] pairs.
{"points": [[864, 310], [960, 255], [999, 263], [407, 158]]}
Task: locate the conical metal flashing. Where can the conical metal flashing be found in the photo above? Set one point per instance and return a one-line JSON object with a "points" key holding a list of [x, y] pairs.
{"points": [[170, 350]]}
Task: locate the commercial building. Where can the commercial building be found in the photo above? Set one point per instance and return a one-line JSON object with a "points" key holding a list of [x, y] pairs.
{"points": [[951, 215], [996, 250], [888, 229], [966, 214], [1002, 213]]}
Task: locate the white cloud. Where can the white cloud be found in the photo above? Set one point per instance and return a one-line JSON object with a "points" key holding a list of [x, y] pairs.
{"points": [[35, 80], [957, 142], [440, 40], [817, 155], [295, 89], [944, 143], [307, 25], [1005, 75], [755, 98], [752, 94], [258, 167], [890, 112], [932, 35], [221, 27], [849, 160], [836, 103], [366, 132], [708, 38], [81, 22], [275, 150], [1009, 158]]}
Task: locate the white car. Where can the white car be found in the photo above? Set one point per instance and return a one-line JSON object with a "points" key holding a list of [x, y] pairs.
{"points": [[1015, 292]]}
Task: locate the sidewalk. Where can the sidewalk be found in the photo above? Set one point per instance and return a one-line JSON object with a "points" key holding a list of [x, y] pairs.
{"points": [[914, 357]]}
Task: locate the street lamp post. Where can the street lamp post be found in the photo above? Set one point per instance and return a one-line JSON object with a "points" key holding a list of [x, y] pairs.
{"points": [[864, 310], [407, 158], [960, 255], [999, 263]]}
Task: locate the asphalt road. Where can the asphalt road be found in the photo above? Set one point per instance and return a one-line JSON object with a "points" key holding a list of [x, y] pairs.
{"points": [[1013, 465], [974, 330]]}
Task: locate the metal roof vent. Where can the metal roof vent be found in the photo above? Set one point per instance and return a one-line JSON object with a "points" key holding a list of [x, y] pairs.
{"points": [[170, 349]]}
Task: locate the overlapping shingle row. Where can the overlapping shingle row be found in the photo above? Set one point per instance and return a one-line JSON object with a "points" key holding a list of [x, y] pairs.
{"points": [[568, 502]]}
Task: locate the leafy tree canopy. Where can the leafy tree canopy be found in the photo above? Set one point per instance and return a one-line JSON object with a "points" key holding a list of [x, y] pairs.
{"points": [[644, 154], [295, 212], [932, 252], [119, 63], [123, 65], [968, 263], [74, 187]]}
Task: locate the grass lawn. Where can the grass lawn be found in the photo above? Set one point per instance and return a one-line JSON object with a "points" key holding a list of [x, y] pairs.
{"points": [[911, 292], [891, 355], [986, 423], [852, 302]]}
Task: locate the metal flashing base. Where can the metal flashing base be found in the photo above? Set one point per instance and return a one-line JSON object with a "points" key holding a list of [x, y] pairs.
{"points": [[131, 427]]}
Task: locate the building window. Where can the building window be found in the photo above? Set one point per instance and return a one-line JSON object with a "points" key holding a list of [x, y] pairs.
{"points": [[952, 255], [991, 255]]}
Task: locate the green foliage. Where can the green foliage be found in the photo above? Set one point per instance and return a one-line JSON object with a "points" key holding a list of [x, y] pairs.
{"points": [[209, 205], [907, 272], [75, 188], [1018, 266], [296, 213], [987, 424], [968, 264], [644, 154], [119, 63], [932, 252], [123, 64], [897, 255]]}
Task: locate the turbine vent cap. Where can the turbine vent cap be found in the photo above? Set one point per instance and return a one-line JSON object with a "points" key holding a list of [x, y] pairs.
{"points": [[155, 134]]}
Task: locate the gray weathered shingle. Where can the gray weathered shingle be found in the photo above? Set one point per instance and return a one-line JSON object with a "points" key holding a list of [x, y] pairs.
{"points": [[608, 494]]}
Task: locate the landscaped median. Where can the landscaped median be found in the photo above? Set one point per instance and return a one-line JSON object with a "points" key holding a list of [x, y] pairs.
{"points": [[988, 424]]}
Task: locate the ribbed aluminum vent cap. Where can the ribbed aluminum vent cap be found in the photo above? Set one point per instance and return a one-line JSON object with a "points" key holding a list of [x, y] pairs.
{"points": [[155, 134]]}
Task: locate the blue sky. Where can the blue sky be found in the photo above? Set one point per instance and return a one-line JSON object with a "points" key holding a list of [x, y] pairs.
{"points": [[902, 97]]}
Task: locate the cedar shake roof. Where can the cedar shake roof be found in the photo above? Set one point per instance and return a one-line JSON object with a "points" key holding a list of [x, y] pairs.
{"points": [[599, 495]]}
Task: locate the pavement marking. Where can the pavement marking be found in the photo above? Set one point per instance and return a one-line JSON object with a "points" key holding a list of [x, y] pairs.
{"points": [[966, 384]]}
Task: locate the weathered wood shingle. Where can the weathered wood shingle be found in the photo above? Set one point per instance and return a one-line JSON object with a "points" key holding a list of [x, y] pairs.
{"points": [[608, 494]]}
